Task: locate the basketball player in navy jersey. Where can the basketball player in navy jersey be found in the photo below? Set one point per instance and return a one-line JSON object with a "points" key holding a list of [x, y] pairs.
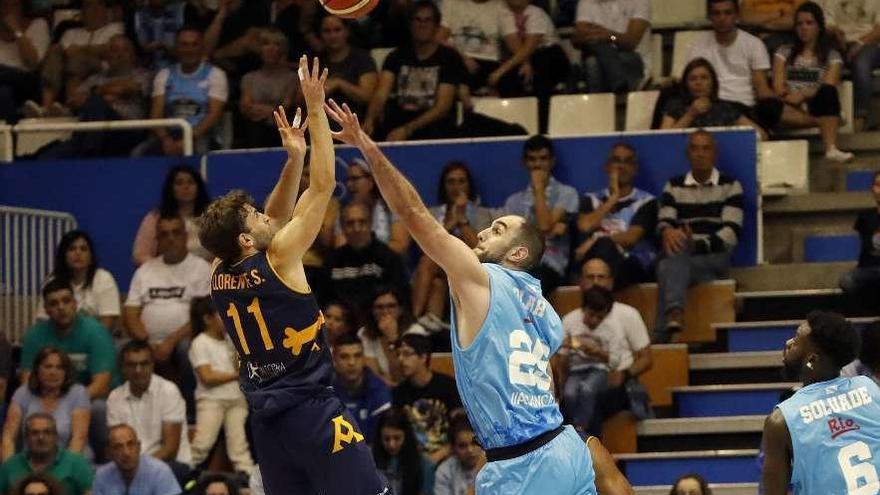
{"points": [[503, 334], [825, 439], [305, 440]]}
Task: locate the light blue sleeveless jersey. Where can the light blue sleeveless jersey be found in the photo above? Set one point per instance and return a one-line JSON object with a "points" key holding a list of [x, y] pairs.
{"points": [[835, 434], [503, 376]]}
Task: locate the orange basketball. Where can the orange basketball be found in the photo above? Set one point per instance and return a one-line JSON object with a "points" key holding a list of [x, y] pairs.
{"points": [[349, 9]]}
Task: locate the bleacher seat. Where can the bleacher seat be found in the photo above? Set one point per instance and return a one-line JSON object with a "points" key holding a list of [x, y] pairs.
{"points": [[831, 247], [728, 400], [522, 111], [784, 167], [578, 115], [656, 58], [677, 13], [379, 55], [640, 109], [441, 362], [859, 180], [708, 303], [656, 468], [669, 369], [681, 45]]}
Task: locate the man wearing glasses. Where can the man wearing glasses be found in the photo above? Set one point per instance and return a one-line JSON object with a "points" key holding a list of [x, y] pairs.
{"points": [[616, 223]]}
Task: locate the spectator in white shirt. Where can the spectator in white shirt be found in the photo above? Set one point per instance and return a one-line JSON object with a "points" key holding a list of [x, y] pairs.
{"points": [[614, 36], [536, 63], [596, 273], [856, 25], [78, 55], [219, 400], [153, 407], [739, 58], [157, 308], [473, 28], [94, 288], [23, 44], [593, 346]]}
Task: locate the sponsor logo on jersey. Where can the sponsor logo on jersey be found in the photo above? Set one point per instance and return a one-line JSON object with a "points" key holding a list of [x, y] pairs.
{"points": [[839, 426]]}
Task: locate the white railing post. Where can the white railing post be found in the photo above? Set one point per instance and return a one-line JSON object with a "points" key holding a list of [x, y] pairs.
{"points": [[113, 125]]}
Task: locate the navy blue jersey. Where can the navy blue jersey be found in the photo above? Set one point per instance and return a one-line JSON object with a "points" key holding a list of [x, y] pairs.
{"points": [[278, 332]]}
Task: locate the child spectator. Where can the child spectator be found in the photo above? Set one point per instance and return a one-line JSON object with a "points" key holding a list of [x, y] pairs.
{"points": [[219, 400]]}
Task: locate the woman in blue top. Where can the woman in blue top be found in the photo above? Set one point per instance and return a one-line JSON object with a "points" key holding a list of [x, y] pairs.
{"points": [[52, 389]]}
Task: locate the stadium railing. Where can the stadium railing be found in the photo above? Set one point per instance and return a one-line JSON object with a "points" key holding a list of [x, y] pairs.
{"points": [[28, 238], [102, 125]]}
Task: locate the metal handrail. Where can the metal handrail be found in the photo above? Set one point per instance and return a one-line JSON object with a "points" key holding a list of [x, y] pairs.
{"points": [[112, 125]]}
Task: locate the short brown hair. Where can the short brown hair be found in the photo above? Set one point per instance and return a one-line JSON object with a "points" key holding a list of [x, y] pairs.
{"points": [[530, 238], [222, 222]]}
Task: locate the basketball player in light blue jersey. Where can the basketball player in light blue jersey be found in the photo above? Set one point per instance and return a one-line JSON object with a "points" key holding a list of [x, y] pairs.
{"points": [[825, 439], [503, 334]]}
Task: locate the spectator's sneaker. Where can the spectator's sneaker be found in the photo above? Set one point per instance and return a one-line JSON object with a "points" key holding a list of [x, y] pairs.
{"points": [[32, 110], [837, 156], [57, 110]]}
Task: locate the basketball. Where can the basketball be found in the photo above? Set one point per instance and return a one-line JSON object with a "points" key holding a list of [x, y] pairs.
{"points": [[349, 9]]}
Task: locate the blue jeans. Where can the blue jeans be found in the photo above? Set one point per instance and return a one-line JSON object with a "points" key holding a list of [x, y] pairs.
{"points": [[676, 273], [611, 70], [863, 67], [580, 395], [860, 279]]}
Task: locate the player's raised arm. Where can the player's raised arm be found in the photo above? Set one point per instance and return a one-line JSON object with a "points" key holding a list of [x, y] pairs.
{"points": [[279, 204], [294, 239], [454, 256]]}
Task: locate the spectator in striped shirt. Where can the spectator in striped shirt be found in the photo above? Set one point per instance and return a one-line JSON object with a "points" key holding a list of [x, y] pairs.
{"points": [[699, 223]]}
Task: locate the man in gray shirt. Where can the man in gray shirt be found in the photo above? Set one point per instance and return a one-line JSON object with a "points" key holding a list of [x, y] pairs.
{"points": [[456, 475]]}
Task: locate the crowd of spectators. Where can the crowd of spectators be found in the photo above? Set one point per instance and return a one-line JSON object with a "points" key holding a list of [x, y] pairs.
{"points": [[773, 65], [82, 403]]}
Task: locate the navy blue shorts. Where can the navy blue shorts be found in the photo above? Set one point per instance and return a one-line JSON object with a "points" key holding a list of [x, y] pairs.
{"points": [[315, 447]]}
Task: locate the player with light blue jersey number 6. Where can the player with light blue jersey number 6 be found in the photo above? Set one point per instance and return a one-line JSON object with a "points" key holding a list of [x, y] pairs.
{"points": [[825, 439], [503, 334]]}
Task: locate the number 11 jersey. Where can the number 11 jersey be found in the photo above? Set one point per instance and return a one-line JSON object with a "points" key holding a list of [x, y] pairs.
{"points": [[835, 437], [278, 332]]}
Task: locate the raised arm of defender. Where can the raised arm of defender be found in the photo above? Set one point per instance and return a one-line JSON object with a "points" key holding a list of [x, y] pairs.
{"points": [[467, 278], [294, 239]]}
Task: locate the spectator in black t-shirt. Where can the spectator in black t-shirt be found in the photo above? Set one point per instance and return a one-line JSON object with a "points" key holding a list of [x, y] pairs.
{"points": [[351, 71], [866, 276], [617, 224], [416, 91], [429, 398], [363, 261], [232, 39], [285, 15]]}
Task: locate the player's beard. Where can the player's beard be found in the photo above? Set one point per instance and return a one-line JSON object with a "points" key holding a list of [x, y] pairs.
{"points": [[792, 371]]}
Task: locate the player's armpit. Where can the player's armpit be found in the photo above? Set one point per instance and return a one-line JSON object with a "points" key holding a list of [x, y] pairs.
{"points": [[609, 479], [776, 445]]}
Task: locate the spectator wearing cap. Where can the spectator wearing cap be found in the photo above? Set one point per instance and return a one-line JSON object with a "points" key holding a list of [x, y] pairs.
{"points": [[429, 398]]}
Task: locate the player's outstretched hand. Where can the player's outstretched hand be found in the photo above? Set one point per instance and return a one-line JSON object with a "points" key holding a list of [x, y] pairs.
{"points": [[351, 132], [312, 81], [292, 135]]}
